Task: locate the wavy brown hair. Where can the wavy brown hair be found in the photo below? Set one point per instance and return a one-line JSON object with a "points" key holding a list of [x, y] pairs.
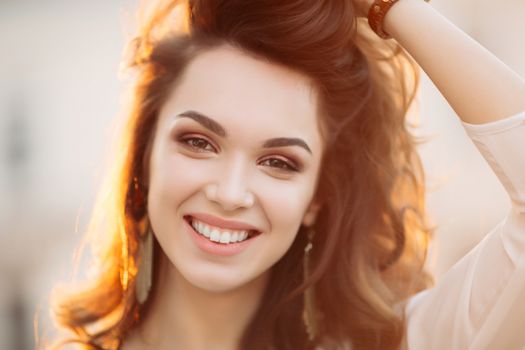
{"points": [[371, 232]]}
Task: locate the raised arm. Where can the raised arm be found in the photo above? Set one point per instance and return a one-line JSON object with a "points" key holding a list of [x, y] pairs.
{"points": [[479, 87], [480, 302]]}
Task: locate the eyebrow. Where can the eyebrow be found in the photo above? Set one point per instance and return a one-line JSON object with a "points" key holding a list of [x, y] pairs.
{"points": [[217, 128], [205, 121], [286, 141]]}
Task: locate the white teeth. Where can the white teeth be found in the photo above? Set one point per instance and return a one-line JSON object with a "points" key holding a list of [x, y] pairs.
{"points": [[225, 237], [205, 230], [243, 235], [217, 235]]}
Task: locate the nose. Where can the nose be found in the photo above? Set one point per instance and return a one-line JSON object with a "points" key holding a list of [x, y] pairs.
{"points": [[229, 188]]}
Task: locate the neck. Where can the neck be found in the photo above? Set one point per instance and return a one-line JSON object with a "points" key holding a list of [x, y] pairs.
{"points": [[183, 316]]}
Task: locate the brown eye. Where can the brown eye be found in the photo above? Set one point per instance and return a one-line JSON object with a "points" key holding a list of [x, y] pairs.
{"points": [[279, 164], [198, 144]]}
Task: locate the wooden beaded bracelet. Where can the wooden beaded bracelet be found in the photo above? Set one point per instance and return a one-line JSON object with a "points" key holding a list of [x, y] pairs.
{"points": [[376, 16]]}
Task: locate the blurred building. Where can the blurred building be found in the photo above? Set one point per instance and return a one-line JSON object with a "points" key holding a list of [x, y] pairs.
{"points": [[59, 95]]}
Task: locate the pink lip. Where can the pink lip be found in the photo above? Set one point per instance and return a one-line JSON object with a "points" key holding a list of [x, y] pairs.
{"points": [[223, 223], [215, 248]]}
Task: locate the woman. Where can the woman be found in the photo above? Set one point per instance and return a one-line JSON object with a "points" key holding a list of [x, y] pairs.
{"points": [[269, 195]]}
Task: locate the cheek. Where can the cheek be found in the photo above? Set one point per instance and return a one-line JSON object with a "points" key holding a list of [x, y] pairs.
{"points": [[173, 178], [285, 202]]}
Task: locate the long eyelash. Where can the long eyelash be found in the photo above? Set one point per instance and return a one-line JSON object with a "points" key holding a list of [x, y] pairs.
{"points": [[291, 166], [184, 140]]}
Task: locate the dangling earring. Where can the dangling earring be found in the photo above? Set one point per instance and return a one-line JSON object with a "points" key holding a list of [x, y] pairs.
{"points": [[136, 206], [145, 272], [309, 316]]}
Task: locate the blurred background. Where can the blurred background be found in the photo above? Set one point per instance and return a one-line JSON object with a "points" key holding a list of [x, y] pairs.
{"points": [[60, 94]]}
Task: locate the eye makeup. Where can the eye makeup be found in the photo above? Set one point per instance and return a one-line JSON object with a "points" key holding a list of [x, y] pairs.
{"points": [[189, 137], [212, 125], [196, 143]]}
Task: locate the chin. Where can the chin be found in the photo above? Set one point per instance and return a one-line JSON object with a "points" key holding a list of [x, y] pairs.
{"points": [[213, 280]]}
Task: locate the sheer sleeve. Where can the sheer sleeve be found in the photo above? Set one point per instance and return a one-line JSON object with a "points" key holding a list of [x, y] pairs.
{"points": [[480, 302]]}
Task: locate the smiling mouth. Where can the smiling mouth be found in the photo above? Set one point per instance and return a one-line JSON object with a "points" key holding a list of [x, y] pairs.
{"points": [[220, 235]]}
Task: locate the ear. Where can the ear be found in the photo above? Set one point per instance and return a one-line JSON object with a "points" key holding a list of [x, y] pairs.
{"points": [[311, 214]]}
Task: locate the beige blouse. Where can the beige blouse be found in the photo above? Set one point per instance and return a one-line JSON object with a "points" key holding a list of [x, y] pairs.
{"points": [[480, 302]]}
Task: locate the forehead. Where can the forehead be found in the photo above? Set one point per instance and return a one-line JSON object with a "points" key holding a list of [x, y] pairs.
{"points": [[239, 90]]}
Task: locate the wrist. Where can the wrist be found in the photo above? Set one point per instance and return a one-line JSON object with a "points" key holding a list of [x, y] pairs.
{"points": [[377, 14], [383, 13]]}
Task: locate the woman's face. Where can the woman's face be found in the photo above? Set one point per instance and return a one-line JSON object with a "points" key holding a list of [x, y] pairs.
{"points": [[235, 157]]}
